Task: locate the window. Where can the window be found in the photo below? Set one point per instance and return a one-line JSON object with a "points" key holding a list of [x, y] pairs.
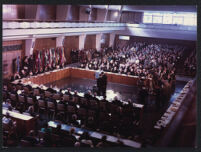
{"points": [[157, 19], [147, 19], [167, 18], [182, 18]]}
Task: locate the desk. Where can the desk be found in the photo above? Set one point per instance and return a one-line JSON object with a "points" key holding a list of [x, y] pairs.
{"points": [[24, 123], [96, 135], [55, 75]]}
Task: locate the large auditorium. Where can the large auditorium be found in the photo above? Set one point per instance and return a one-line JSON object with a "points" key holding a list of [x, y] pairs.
{"points": [[99, 76]]}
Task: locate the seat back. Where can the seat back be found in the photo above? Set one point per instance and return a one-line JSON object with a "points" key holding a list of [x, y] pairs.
{"points": [[71, 109], [50, 105], [66, 97], [56, 96], [60, 107], [13, 97], [36, 92], [48, 94], [21, 98], [26, 89], [18, 87], [91, 113], [102, 105], [30, 100], [81, 112], [93, 104], [41, 103], [25, 143]]}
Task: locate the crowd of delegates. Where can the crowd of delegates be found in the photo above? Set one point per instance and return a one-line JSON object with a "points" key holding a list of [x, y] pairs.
{"points": [[87, 112], [82, 55], [41, 61], [152, 61], [190, 64]]}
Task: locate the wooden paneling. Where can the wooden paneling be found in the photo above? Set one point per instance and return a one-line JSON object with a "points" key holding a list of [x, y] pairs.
{"points": [[13, 12], [47, 12], [81, 73], [45, 43], [93, 15], [111, 15], [70, 42], [8, 56], [90, 42], [73, 13]]}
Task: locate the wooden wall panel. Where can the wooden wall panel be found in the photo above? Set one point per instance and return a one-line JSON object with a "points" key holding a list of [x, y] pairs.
{"points": [[8, 56], [111, 16], [90, 42], [70, 42], [73, 13], [47, 12], [93, 16], [13, 12], [45, 43]]}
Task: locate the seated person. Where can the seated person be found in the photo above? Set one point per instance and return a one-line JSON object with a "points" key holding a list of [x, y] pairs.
{"points": [[103, 142], [7, 120], [31, 138], [46, 129], [85, 140]]}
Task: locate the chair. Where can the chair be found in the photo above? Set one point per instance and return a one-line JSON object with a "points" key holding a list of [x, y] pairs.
{"points": [[4, 95], [41, 105], [26, 90], [71, 109], [25, 143], [68, 142], [93, 104], [36, 92], [21, 98], [102, 106], [56, 96], [13, 97], [82, 112], [66, 97], [48, 94], [40, 135], [91, 113], [19, 87], [30, 101], [75, 100], [61, 109], [51, 108], [55, 138]]}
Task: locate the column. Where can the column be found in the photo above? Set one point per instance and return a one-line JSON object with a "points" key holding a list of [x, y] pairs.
{"points": [[111, 39], [29, 45], [81, 41], [60, 41], [98, 41]]}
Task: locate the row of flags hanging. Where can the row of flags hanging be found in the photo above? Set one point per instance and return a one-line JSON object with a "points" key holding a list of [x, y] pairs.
{"points": [[49, 58]]}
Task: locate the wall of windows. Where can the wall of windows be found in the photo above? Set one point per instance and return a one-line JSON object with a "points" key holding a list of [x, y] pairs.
{"points": [[182, 18]]}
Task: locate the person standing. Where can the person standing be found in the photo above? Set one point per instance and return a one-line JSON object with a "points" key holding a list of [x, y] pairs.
{"points": [[104, 83]]}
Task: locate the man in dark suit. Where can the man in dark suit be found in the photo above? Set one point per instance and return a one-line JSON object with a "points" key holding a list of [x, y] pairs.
{"points": [[104, 83]]}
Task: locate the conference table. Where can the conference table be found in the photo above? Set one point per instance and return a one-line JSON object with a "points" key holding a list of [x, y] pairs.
{"points": [[25, 123], [58, 74], [95, 134]]}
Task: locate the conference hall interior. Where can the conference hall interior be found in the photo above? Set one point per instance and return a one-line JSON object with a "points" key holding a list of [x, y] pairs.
{"points": [[99, 75]]}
